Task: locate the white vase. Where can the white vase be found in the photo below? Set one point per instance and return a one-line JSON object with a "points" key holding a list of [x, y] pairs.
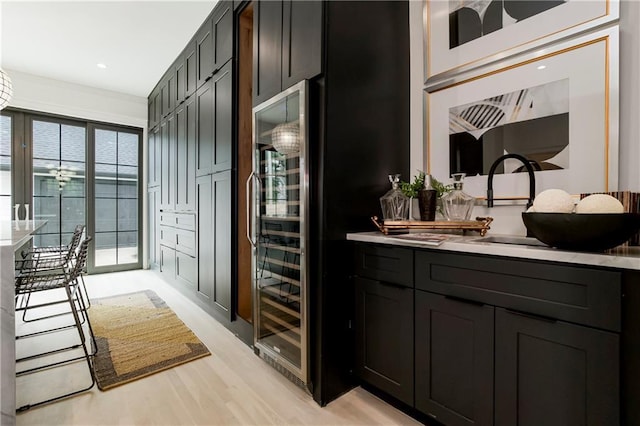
{"points": [[26, 212]]}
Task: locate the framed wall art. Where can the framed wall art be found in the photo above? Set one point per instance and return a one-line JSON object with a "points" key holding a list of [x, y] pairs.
{"points": [[464, 34], [557, 107]]}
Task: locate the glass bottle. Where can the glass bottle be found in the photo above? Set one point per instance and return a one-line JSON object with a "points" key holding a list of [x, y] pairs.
{"points": [[427, 198], [394, 204], [458, 204]]}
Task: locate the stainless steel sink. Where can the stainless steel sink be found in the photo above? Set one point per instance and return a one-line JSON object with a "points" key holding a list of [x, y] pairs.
{"points": [[506, 239]]}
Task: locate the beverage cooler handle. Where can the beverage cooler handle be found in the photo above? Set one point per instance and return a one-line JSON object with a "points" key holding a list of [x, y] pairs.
{"points": [[248, 194]]}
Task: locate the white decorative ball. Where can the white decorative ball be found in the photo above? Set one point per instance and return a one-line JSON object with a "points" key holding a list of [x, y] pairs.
{"points": [[553, 201], [599, 203]]}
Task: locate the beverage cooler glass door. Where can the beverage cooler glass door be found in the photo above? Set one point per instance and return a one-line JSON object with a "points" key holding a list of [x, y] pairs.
{"points": [[278, 233]]}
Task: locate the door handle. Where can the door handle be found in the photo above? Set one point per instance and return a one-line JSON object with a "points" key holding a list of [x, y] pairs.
{"points": [[252, 176], [248, 208]]}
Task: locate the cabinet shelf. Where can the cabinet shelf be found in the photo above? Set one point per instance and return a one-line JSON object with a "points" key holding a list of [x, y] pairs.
{"points": [[288, 326], [279, 293], [279, 279], [281, 307], [284, 335], [295, 250]]}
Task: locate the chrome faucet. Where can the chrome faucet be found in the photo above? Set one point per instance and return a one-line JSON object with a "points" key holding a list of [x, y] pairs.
{"points": [[532, 178]]}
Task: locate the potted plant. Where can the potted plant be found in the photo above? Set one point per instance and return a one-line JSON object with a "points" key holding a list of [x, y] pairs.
{"points": [[410, 189]]}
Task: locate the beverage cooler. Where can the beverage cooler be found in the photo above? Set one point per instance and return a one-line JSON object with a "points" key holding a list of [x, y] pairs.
{"points": [[278, 218]]}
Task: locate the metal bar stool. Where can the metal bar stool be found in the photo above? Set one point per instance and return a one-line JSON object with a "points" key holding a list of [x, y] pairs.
{"points": [[38, 276], [52, 257]]}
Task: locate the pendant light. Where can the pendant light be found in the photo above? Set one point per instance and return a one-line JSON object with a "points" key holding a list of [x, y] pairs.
{"points": [[6, 89], [285, 137]]}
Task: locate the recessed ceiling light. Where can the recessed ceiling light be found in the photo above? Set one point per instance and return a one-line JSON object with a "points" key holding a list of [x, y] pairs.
{"points": [[101, 66], [541, 67]]}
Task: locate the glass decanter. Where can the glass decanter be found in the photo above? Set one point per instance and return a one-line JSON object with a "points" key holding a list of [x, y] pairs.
{"points": [[457, 204], [395, 205]]}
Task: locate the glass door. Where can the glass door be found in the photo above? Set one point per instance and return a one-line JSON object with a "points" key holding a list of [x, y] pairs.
{"points": [[117, 224], [279, 234]]}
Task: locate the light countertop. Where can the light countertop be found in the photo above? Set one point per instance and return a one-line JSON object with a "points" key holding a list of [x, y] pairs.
{"points": [[619, 258], [16, 232]]}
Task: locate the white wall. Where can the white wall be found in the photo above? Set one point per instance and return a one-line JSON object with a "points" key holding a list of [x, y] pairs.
{"points": [[507, 218], [73, 100]]}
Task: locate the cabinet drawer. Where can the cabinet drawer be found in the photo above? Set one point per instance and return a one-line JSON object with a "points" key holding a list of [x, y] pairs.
{"points": [[167, 218], [186, 268], [580, 295], [168, 237], [385, 263], [186, 242], [185, 221]]}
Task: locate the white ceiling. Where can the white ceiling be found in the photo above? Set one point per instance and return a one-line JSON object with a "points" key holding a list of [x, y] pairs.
{"points": [[137, 40]]}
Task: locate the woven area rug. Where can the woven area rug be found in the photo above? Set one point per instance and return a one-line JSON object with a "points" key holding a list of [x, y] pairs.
{"points": [[137, 335]]}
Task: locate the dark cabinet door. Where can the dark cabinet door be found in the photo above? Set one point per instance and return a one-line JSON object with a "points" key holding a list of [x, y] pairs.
{"points": [[384, 337], [151, 106], [204, 53], [223, 119], [153, 151], [206, 267], [181, 79], [165, 168], [205, 128], [185, 156], [554, 373], [267, 50], [221, 216], [157, 106], [167, 92], [301, 41], [168, 262], [214, 241], [222, 24], [154, 225], [454, 360], [191, 69]]}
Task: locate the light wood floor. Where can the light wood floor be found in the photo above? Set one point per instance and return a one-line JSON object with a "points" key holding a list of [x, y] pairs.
{"points": [[233, 386]]}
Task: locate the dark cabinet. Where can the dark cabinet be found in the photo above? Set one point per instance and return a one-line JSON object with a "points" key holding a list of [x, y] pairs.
{"points": [[191, 69], [287, 45], [167, 163], [154, 156], [180, 69], [185, 181], [301, 41], [204, 53], [153, 197], [267, 50], [214, 241], [155, 107], [554, 373], [167, 93], [223, 119], [222, 27], [454, 360], [215, 123], [168, 262], [384, 337]]}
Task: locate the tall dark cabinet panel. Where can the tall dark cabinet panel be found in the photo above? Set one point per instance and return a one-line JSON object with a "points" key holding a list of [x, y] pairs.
{"points": [[569, 363], [384, 343], [359, 134], [153, 200], [221, 216], [223, 119], [204, 231], [186, 156], [191, 69], [204, 52], [454, 360], [181, 79], [267, 49], [205, 128], [301, 41], [287, 37], [214, 241], [222, 27], [154, 155]]}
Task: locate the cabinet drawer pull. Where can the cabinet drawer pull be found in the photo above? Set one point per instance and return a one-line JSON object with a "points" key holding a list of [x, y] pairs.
{"points": [[532, 316], [394, 285], [462, 300]]}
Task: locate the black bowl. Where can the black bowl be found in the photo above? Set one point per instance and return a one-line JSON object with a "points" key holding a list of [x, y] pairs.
{"points": [[582, 232]]}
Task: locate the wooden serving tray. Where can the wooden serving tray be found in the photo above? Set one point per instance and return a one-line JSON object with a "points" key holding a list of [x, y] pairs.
{"points": [[481, 224]]}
